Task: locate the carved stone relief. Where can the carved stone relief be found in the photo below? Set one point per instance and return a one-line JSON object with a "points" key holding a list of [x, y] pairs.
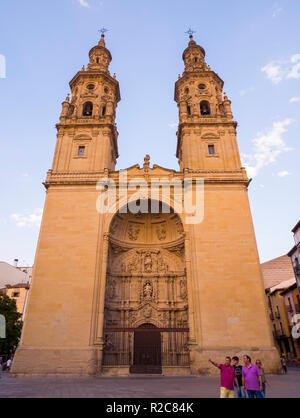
{"points": [[133, 231]]}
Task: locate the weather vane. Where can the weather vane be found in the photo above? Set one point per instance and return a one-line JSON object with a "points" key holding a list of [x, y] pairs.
{"points": [[103, 30], [190, 32]]}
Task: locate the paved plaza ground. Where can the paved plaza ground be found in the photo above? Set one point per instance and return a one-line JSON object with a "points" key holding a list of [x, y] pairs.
{"points": [[283, 386]]}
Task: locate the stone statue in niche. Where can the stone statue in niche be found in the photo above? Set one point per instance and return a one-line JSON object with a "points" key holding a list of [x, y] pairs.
{"points": [[112, 289], [148, 291], [161, 232], [133, 232], [133, 266], [148, 262], [162, 267], [183, 292]]}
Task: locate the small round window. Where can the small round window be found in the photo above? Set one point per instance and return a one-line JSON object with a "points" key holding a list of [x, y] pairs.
{"points": [[106, 90], [202, 86], [90, 86], [186, 91]]}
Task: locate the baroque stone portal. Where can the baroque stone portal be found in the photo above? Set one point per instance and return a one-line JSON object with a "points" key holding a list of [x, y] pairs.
{"points": [[146, 282]]}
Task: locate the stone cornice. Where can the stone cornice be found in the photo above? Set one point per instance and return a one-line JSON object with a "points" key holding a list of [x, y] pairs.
{"points": [[89, 74], [91, 178]]}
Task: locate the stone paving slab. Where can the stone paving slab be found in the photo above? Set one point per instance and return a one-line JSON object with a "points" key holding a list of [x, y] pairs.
{"points": [[283, 386]]}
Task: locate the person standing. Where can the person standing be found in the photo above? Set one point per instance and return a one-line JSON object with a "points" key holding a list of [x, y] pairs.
{"points": [[263, 377], [228, 377], [238, 371], [252, 381], [283, 364], [8, 365]]}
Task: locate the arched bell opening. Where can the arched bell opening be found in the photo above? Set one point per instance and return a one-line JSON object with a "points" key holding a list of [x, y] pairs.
{"points": [[87, 109]]}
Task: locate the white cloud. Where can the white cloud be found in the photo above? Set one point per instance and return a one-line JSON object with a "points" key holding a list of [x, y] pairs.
{"points": [[277, 11], [262, 186], [294, 72], [173, 125], [267, 147], [33, 219], [83, 3], [283, 174], [276, 71], [295, 99]]}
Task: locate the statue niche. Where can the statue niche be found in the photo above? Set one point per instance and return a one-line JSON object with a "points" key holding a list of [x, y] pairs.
{"points": [[148, 291]]}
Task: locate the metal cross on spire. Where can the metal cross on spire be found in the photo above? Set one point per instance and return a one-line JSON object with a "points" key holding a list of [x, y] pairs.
{"points": [[103, 30], [190, 32]]}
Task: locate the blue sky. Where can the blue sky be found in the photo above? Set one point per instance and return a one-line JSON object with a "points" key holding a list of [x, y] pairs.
{"points": [[253, 46]]}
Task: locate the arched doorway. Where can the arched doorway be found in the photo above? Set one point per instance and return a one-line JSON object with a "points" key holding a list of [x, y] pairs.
{"points": [[147, 350], [146, 302]]}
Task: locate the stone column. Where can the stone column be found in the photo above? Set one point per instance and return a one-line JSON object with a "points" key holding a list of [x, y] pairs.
{"points": [[192, 335], [101, 305]]}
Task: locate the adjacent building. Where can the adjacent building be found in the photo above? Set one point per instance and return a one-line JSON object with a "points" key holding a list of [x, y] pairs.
{"points": [[294, 254], [15, 283], [283, 303]]}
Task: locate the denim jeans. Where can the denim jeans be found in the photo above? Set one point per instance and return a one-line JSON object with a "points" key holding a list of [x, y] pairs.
{"points": [[254, 394], [264, 390], [241, 394]]}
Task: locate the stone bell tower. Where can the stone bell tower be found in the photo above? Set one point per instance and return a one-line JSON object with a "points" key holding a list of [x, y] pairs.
{"points": [[87, 133], [202, 107], [57, 336]]}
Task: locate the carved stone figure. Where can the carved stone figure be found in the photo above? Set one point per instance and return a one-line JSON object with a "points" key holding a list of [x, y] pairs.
{"points": [[133, 266], [162, 267], [183, 292], [161, 232], [148, 262], [147, 312], [133, 232], [148, 291], [112, 289]]}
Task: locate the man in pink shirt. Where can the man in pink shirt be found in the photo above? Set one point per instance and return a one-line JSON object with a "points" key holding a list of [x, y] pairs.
{"points": [[228, 376], [252, 381]]}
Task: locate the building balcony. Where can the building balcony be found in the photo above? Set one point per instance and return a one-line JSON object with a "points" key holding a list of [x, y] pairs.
{"points": [[289, 309], [279, 334], [277, 315]]}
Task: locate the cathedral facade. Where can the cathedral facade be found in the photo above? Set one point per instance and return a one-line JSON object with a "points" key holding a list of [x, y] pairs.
{"points": [[122, 291]]}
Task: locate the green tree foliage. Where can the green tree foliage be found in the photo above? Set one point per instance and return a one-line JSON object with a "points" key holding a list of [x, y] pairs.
{"points": [[8, 309]]}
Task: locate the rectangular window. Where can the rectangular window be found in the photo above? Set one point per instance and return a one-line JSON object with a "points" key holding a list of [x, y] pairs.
{"points": [[81, 151], [15, 294], [211, 149]]}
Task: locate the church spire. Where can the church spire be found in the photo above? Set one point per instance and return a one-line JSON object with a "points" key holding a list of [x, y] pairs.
{"points": [[194, 56], [87, 130], [204, 113], [100, 56]]}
